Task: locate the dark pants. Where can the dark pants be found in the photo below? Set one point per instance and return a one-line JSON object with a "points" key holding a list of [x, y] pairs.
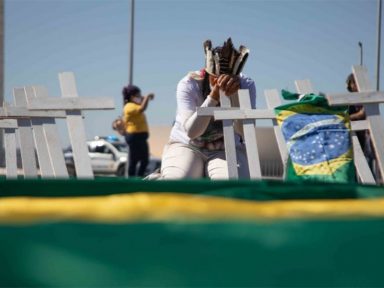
{"points": [[138, 153]]}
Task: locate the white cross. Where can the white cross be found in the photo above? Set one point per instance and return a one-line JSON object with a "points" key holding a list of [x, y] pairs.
{"points": [[370, 100], [34, 109]]}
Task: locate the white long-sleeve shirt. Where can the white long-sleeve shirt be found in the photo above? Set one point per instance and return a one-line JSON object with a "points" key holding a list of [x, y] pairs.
{"points": [[188, 127]]}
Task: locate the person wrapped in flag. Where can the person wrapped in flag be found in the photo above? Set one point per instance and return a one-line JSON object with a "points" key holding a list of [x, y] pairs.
{"points": [[318, 139]]}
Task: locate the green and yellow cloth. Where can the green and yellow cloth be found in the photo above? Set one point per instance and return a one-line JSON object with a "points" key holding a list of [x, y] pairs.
{"points": [[318, 139], [112, 232]]}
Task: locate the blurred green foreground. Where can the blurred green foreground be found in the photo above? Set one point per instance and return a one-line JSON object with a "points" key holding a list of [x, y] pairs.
{"points": [[338, 250]]}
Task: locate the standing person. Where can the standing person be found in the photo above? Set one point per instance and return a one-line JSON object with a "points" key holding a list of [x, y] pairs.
{"points": [[196, 147], [356, 112], [136, 129]]}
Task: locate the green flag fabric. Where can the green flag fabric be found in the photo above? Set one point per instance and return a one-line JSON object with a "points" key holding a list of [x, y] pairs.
{"points": [[318, 139], [112, 232]]}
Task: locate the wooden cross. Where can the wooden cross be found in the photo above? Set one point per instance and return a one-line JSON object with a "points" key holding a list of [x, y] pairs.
{"points": [[247, 116], [10, 126], [23, 118], [229, 134], [370, 99], [273, 99], [35, 114]]}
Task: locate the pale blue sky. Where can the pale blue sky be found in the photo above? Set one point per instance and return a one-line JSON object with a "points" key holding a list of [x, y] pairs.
{"points": [[288, 39]]}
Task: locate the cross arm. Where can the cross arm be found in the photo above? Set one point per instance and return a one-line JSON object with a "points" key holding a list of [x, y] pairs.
{"points": [[210, 111], [23, 112], [359, 125], [8, 123], [355, 98], [71, 103], [244, 114]]}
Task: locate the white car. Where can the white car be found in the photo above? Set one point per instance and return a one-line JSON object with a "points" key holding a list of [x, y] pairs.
{"points": [[108, 157]]}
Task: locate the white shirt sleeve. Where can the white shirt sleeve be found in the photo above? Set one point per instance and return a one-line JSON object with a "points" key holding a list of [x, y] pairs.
{"points": [[188, 98]]}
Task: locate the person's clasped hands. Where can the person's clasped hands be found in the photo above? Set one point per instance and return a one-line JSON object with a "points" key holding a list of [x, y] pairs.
{"points": [[229, 84]]}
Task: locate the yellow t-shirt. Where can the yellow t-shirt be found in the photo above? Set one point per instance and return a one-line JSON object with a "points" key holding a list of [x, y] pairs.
{"points": [[134, 119]]}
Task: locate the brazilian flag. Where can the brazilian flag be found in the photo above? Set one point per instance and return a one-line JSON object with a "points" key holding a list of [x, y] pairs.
{"points": [[112, 232], [318, 139]]}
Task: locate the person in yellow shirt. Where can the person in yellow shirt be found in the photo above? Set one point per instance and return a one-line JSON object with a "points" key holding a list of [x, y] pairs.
{"points": [[136, 129]]}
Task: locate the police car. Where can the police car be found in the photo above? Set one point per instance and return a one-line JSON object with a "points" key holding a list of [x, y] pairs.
{"points": [[108, 156]]}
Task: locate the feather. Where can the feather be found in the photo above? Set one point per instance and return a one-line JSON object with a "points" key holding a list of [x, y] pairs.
{"points": [[207, 45], [226, 52], [216, 57], [239, 64], [234, 56], [209, 61]]}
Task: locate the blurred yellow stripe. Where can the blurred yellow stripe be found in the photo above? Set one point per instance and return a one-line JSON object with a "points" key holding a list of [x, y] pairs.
{"points": [[143, 206]]}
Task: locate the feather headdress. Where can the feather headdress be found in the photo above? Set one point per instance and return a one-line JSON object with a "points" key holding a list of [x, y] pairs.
{"points": [[224, 59]]}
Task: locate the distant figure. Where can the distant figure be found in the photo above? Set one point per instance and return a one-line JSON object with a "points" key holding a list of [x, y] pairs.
{"points": [[136, 129], [356, 112], [196, 145]]}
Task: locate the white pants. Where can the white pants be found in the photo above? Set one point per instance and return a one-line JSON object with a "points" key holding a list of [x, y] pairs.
{"points": [[184, 161]]}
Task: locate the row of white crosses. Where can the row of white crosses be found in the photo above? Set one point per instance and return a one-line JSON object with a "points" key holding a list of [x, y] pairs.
{"points": [[32, 118], [247, 116]]}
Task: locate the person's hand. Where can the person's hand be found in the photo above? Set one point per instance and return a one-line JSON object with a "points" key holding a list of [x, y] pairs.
{"points": [[215, 89], [230, 84], [151, 96]]}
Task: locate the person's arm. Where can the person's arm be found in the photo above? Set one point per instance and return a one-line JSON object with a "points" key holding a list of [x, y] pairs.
{"points": [[187, 95], [359, 115], [145, 102], [196, 125]]}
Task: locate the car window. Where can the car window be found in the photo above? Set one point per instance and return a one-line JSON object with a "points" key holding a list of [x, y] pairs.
{"points": [[100, 148], [107, 150], [121, 147]]}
